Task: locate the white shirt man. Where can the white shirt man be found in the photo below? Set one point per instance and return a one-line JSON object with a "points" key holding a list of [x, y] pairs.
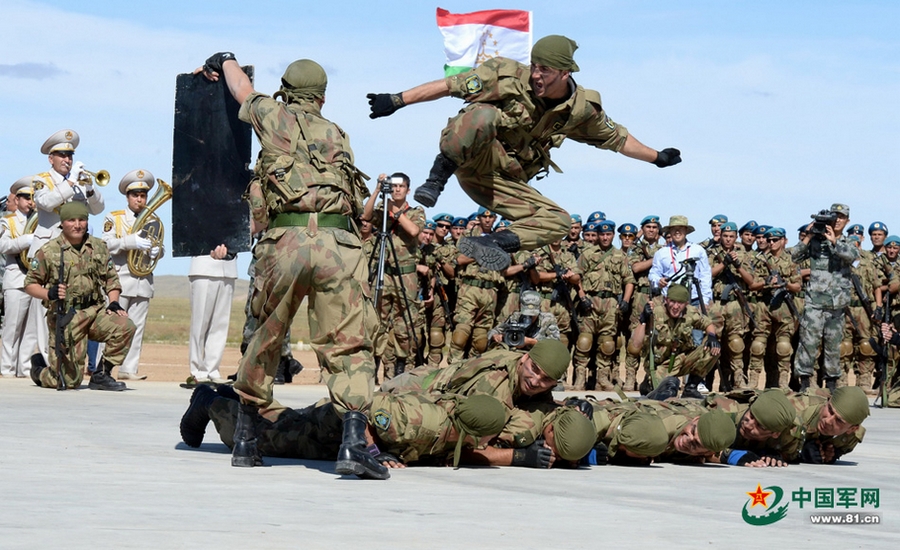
{"points": [[669, 261]]}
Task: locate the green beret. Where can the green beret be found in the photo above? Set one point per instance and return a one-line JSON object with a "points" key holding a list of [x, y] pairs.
{"points": [[716, 430], [851, 403], [74, 210], [555, 51], [479, 415], [641, 433], [303, 79], [573, 434], [773, 411], [551, 356], [679, 293]]}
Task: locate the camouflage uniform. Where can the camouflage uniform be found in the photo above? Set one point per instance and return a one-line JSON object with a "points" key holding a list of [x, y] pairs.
{"points": [[675, 416], [809, 406], [732, 323], [399, 310], [446, 253], [778, 324], [554, 297], [856, 351], [90, 276], [251, 322], [641, 251], [543, 328], [502, 139], [826, 297], [675, 351], [312, 193], [605, 276]]}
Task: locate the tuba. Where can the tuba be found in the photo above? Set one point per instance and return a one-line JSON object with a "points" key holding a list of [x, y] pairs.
{"points": [[149, 226]]}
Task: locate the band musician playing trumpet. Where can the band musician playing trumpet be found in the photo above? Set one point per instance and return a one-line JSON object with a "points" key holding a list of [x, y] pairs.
{"points": [[134, 237]]}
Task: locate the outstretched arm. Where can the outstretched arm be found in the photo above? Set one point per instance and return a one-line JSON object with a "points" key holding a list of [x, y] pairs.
{"points": [[386, 104]]}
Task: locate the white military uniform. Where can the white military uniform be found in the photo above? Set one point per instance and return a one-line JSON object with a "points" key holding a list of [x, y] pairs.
{"points": [[212, 289], [19, 335]]}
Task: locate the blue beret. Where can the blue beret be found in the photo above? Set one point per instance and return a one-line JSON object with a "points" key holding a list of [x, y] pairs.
{"points": [[749, 226], [761, 230], [893, 240], [855, 229], [649, 219], [430, 225], [443, 217], [590, 227], [597, 216], [878, 226], [718, 218], [473, 216], [575, 218], [606, 226], [504, 223], [460, 222], [803, 229], [482, 211], [628, 229], [775, 232], [729, 226]]}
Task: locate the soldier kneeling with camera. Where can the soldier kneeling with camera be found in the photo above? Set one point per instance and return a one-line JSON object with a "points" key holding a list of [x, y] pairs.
{"points": [[524, 328]]}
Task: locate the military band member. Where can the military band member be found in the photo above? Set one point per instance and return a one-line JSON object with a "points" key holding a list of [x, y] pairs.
{"points": [[120, 238], [19, 334]]}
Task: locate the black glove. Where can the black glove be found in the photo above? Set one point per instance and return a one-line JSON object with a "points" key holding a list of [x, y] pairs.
{"points": [[114, 307], [624, 306], [739, 458], [598, 456], [727, 259], [582, 405], [811, 453], [384, 104], [53, 292], [878, 313], [560, 271], [533, 456], [585, 306], [646, 314], [712, 342], [667, 157], [384, 457], [529, 263], [214, 63]]}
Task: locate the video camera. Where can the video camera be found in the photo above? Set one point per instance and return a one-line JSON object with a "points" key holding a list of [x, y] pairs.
{"points": [[387, 183], [514, 335], [821, 220]]}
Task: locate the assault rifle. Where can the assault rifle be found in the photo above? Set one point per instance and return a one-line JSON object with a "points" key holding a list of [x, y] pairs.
{"points": [[63, 318]]}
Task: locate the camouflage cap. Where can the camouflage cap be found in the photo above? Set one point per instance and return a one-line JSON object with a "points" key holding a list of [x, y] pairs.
{"points": [[773, 411], [551, 356], [555, 51], [878, 226], [679, 221], [530, 303], [73, 210], [641, 433], [716, 430], [679, 293], [851, 403], [479, 415], [839, 208], [573, 434], [304, 79]]}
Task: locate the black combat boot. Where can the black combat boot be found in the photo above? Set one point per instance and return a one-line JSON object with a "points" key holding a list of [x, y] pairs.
{"points": [[491, 251], [667, 388], [427, 194], [804, 384], [292, 368], [353, 458], [37, 365], [196, 417], [103, 380], [245, 454], [279, 373], [400, 366], [830, 384], [690, 387]]}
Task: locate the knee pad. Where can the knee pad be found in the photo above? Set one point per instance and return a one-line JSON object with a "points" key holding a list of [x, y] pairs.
{"points": [[736, 343], [436, 338], [460, 336], [479, 340], [758, 347], [584, 343], [846, 349], [607, 345], [866, 349], [631, 350], [783, 348]]}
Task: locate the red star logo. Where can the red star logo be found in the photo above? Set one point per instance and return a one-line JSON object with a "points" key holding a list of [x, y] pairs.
{"points": [[759, 496]]}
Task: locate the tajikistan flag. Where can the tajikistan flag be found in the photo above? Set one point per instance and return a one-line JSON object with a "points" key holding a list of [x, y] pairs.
{"points": [[472, 38]]}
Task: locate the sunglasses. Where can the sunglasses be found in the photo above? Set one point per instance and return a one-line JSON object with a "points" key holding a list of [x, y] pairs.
{"points": [[444, 225], [773, 239]]}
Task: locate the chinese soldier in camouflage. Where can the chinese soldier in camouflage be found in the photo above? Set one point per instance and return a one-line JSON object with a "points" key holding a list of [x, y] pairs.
{"points": [[308, 194], [831, 254], [607, 283], [502, 138], [89, 279]]}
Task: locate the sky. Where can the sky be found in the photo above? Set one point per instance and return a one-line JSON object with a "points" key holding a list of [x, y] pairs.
{"points": [[779, 108]]}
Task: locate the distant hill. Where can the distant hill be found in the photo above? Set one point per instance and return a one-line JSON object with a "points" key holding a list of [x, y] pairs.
{"points": [[177, 286]]}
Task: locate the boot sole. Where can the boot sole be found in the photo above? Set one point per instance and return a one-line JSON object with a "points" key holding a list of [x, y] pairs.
{"points": [[488, 257], [105, 388], [350, 467], [424, 198]]}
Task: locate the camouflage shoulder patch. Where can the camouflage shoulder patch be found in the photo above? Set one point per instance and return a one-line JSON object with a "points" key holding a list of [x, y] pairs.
{"points": [[473, 84], [109, 263], [382, 419], [34, 263], [107, 226]]}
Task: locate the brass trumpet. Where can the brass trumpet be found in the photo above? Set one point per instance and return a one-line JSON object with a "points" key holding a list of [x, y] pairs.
{"points": [[100, 178], [149, 226]]}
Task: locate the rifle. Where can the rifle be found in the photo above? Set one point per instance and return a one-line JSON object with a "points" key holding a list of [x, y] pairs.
{"points": [[63, 318], [651, 359], [561, 292], [782, 295], [860, 293], [883, 361], [734, 286], [445, 300]]}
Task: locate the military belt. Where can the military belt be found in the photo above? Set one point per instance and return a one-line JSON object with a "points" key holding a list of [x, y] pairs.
{"points": [[855, 303], [547, 295], [603, 294], [390, 270], [644, 290], [83, 303], [301, 219], [471, 281]]}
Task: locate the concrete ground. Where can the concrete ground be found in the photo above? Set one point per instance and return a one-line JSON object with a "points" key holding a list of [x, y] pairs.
{"points": [[89, 469]]}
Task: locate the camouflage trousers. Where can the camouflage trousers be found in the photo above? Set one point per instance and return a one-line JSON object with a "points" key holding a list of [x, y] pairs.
{"points": [[251, 322], [732, 324], [92, 323], [327, 266], [633, 356], [434, 330], [823, 327], [494, 178], [596, 330], [698, 361], [857, 352], [475, 316], [779, 326], [399, 315]]}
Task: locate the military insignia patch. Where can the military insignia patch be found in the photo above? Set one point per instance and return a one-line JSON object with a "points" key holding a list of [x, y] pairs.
{"points": [[473, 84], [557, 125], [107, 226], [382, 419], [140, 174], [38, 185], [69, 136], [109, 263], [610, 124], [34, 263]]}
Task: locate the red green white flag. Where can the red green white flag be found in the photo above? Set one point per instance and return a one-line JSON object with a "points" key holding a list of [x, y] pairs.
{"points": [[472, 38]]}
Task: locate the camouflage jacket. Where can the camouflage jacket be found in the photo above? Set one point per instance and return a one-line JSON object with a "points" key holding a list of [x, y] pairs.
{"points": [[674, 335], [563, 258], [764, 266], [829, 279], [406, 246], [527, 126], [604, 271], [722, 280], [809, 406], [675, 417]]}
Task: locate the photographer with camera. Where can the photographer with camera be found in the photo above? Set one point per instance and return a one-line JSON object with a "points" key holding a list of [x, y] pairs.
{"points": [[524, 328], [831, 256]]}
